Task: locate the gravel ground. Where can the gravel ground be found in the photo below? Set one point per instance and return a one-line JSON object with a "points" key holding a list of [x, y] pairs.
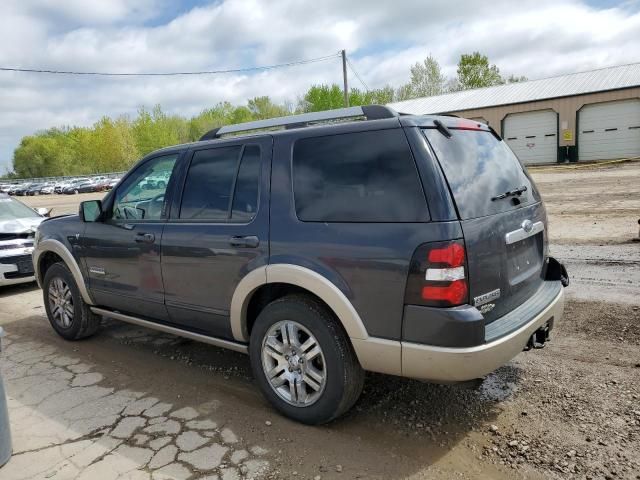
{"points": [[592, 205], [571, 410]]}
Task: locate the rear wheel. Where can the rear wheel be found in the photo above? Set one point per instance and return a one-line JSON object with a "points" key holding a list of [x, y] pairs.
{"points": [[68, 314], [303, 360]]}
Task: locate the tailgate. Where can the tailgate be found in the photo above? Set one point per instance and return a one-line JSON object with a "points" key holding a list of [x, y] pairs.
{"points": [[505, 261], [502, 216]]}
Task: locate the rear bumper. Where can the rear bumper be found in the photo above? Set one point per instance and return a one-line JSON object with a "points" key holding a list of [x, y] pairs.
{"points": [[445, 364]]}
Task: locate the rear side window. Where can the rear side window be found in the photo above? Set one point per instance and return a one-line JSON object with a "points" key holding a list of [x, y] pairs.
{"points": [[207, 191], [479, 167], [357, 177], [245, 198], [220, 185]]}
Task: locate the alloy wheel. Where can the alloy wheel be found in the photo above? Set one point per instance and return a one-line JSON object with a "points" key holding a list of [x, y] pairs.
{"points": [[61, 302], [294, 363]]}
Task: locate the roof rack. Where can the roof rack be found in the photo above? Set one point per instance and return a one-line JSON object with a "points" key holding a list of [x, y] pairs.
{"points": [[370, 112]]}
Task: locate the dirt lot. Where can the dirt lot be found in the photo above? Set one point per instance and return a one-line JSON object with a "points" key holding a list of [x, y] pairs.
{"points": [[132, 403]]}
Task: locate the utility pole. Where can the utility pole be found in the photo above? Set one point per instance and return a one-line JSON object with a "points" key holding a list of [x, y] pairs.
{"points": [[344, 76]]}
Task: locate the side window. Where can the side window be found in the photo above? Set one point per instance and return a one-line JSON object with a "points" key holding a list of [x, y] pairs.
{"points": [[245, 199], [142, 195], [357, 177], [221, 186]]}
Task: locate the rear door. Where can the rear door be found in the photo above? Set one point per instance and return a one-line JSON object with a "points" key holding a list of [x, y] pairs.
{"points": [[505, 235], [217, 233]]}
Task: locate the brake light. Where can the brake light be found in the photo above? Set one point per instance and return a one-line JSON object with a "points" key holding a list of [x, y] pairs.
{"points": [[455, 293], [451, 255], [438, 275], [464, 124]]}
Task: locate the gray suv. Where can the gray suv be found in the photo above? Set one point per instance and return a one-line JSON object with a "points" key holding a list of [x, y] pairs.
{"points": [[323, 245]]}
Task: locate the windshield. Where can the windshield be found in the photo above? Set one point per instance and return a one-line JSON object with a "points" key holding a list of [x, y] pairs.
{"points": [[11, 209], [478, 168]]}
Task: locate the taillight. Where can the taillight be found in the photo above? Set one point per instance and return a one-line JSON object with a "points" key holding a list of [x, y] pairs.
{"points": [[452, 255], [437, 276], [455, 293], [464, 124]]}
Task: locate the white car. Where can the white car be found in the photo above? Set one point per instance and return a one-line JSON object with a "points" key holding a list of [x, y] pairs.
{"points": [[47, 189], [18, 225]]}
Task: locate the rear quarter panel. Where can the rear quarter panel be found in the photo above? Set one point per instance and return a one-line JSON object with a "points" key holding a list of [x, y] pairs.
{"points": [[368, 262]]}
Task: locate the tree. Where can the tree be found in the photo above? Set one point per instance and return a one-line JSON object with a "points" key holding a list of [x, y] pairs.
{"points": [[327, 97], [209, 119], [322, 97], [426, 80], [155, 129], [403, 92], [516, 79], [380, 96], [474, 71], [262, 108]]}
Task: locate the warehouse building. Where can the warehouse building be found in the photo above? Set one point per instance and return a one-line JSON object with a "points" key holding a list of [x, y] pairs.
{"points": [[584, 116]]}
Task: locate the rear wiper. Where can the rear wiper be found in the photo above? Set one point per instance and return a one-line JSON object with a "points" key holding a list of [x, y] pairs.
{"points": [[511, 193], [442, 128]]}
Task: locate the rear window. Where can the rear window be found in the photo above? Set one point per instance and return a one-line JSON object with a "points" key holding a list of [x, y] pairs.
{"points": [[479, 167], [357, 177]]}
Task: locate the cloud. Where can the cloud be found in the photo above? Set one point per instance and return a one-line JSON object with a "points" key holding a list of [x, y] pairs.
{"points": [[534, 38]]}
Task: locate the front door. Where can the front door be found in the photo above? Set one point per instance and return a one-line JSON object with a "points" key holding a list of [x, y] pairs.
{"points": [[122, 252], [217, 233]]}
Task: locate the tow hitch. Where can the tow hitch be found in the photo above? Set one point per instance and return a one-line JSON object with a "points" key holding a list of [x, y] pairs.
{"points": [[539, 337]]}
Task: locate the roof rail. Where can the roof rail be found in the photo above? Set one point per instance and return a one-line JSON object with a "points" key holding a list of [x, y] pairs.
{"points": [[370, 112]]}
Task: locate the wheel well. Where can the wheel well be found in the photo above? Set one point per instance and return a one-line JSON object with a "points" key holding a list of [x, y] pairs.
{"points": [[48, 259], [266, 294]]}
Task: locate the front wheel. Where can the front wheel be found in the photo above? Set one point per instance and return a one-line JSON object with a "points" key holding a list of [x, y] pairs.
{"points": [[303, 361], [68, 314]]}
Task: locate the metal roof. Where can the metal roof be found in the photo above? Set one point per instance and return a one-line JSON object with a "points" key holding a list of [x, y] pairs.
{"points": [[610, 78]]}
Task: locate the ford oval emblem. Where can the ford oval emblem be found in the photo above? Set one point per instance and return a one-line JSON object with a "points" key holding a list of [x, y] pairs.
{"points": [[527, 225]]}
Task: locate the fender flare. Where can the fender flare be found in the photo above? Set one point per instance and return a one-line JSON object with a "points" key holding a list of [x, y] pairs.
{"points": [[57, 247], [301, 277], [374, 354]]}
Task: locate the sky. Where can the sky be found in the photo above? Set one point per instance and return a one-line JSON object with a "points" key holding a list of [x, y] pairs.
{"points": [[535, 38]]}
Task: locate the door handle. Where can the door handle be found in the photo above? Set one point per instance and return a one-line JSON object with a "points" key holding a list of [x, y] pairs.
{"points": [[144, 238], [250, 241]]}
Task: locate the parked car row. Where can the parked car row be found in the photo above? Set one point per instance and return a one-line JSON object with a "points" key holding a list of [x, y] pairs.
{"points": [[69, 186]]}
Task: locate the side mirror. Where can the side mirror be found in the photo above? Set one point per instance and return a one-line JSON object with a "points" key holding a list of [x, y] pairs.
{"points": [[90, 210], [43, 211]]}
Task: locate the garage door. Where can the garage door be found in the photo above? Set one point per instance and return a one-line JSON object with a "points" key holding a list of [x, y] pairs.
{"points": [[609, 130], [533, 136]]}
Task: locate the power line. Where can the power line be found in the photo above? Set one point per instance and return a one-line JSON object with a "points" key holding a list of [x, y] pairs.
{"points": [[168, 74], [356, 74]]}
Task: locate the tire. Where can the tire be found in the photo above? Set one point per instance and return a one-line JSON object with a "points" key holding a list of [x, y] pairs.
{"points": [[337, 364], [76, 192], [79, 321]]}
